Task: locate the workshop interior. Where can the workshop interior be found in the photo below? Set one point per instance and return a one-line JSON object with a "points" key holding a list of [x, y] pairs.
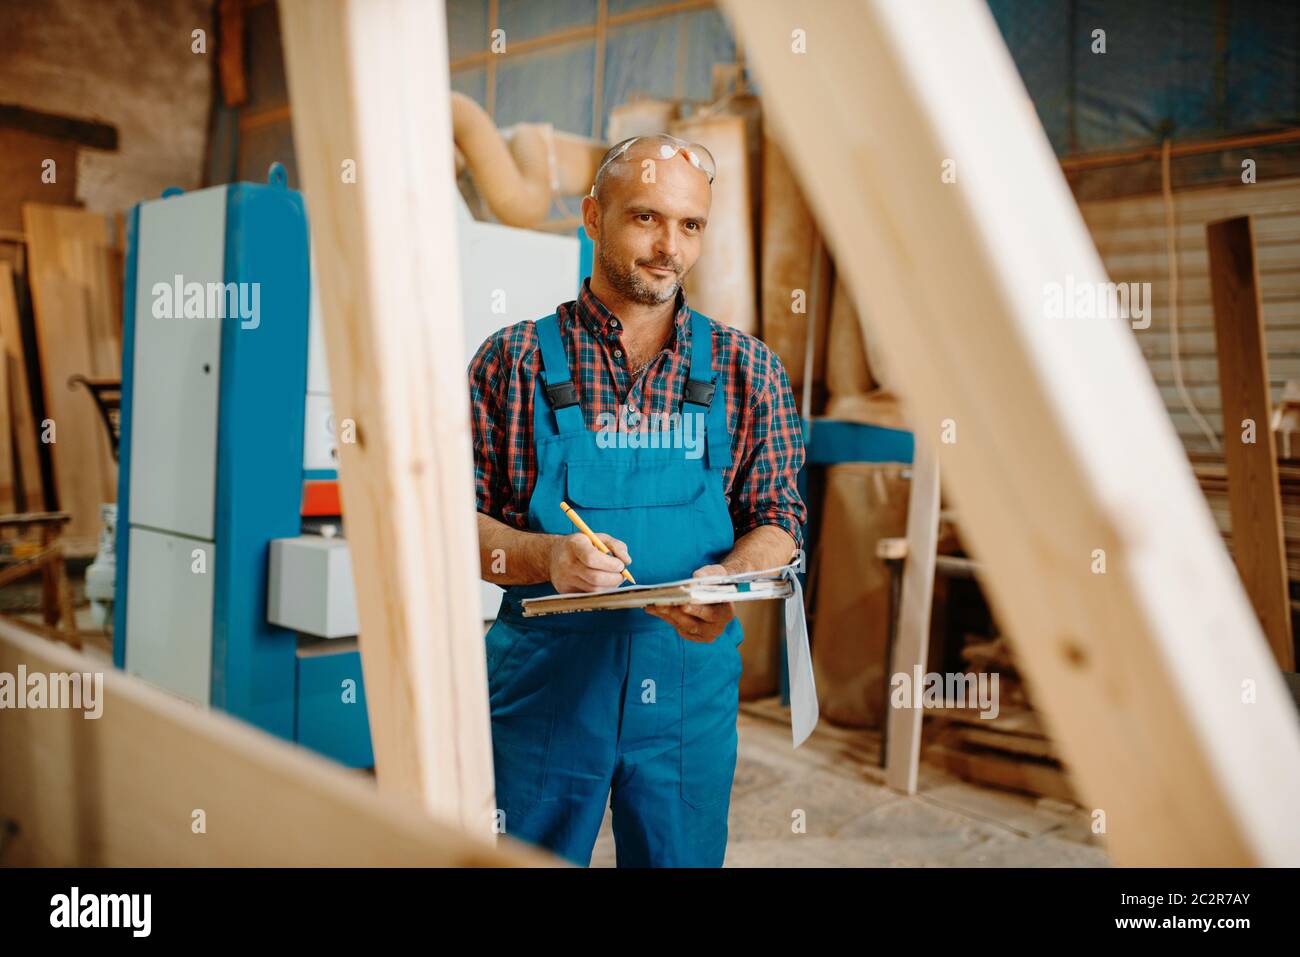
{"points": [[1050, 572]]}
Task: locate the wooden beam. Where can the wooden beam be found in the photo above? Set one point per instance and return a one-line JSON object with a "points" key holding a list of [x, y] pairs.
{"points": [[230, 52], [490, 80], [1149, 153], [1254, 495], [911, 647], [98, 136], [598, 84], [385, 252], [24, 519], [125, 789], [1151, 670], [258, 118], [23, 422], [8, 485]]}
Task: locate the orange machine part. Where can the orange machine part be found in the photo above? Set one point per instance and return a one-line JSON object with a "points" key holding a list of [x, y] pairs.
{"points": [[321, 498]]}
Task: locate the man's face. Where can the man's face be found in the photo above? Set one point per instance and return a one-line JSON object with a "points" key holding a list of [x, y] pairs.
{"points": [[649, 231]]}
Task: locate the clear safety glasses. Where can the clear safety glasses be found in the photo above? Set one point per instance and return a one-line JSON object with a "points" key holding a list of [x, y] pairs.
{"points": [[668, 147]]}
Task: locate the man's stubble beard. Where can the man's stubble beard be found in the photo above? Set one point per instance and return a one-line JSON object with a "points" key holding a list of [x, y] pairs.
{"points": [[630, 285]]}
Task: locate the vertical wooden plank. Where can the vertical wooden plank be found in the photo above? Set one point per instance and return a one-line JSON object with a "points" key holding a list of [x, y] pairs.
{"points": [[722, 283], [91, 264], [912, 645], [386, 252], [78, 432], [490, 91], [20, 397], [598, 85], [1254, 496], [1103, 561], [97, 266], [230, 53], [7, 497], [23, 423]]}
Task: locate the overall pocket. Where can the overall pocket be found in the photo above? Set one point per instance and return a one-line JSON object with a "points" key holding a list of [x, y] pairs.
{"points": [[501, 641], [710, 698], [522, 704]]}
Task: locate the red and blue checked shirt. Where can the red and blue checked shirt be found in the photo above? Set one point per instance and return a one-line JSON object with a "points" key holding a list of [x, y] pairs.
{"points": [[766, 439]]}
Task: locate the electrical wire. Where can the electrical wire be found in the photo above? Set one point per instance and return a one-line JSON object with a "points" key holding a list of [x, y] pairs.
{"points": [[1174, 350]]}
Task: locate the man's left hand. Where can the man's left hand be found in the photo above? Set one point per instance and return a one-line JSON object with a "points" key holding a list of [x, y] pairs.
{"points": [[697, 622]]}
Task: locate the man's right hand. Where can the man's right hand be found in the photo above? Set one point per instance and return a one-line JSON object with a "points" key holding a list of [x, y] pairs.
{"points": [[578, 565]]}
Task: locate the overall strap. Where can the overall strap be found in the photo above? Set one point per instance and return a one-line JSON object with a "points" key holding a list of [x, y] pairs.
{"points": [[700, 386], [560, 391]]}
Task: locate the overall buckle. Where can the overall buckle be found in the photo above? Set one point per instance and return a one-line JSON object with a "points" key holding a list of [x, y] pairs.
{"points": [[562, 394], [699, 391]]}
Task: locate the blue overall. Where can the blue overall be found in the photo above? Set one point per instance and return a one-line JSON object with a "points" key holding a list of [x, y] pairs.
{"points": [[615, 704]]}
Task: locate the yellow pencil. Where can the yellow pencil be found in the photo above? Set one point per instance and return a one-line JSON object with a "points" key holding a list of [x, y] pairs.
{"points": [[582, 527]]}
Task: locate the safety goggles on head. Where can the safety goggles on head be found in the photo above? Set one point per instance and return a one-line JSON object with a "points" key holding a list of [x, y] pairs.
{"points": [[669, 146]]}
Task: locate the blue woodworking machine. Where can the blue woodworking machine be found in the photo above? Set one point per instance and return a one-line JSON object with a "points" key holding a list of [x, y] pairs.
{"points": [[232, 589]]}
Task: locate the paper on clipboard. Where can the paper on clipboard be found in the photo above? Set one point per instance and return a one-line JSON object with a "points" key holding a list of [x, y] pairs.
{"points": [[804, 711]]}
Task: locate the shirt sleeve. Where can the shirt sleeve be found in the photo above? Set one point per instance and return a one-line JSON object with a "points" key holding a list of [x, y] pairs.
{"points": [[486, 380], [765, 490]]}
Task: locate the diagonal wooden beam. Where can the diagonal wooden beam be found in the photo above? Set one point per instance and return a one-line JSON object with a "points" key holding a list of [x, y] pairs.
{"points": [[368, 84], [124, 778], [1152, 674]]}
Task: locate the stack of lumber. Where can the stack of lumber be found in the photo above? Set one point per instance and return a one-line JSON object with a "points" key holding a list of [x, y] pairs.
{"points": [[75, 276], [1010, 751], [1212, 475]]}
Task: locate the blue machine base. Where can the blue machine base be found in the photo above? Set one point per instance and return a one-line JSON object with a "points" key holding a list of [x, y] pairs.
{"points": [[331, 715]]}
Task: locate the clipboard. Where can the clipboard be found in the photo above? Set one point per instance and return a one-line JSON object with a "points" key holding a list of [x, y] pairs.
{"points": [[768, 584]]}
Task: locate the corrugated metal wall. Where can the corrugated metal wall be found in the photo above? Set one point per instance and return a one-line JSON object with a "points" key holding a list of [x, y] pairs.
{"points": [[1130, 235], [1188, 69]]}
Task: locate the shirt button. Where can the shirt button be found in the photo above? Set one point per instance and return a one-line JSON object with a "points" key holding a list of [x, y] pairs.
{"points": [[618, 353], [613, 323]]}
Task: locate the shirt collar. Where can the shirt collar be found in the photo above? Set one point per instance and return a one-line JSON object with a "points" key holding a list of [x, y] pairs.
{"points": [[596, 316]]}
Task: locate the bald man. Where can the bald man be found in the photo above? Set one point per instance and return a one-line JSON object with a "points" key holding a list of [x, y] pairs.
{"points": [[677, 439]]}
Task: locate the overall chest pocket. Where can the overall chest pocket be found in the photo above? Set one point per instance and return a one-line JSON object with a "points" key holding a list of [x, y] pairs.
{"points": [[607, 485]]}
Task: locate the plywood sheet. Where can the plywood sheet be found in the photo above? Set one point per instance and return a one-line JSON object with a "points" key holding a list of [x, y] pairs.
{"points": [[61, 298], [722, 283]]}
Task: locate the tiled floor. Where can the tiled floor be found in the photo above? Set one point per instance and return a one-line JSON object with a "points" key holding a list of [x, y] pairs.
{"points": [[834, 788]]}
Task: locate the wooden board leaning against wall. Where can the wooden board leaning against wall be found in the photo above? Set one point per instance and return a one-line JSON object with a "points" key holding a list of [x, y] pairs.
{"points": [[75, 280], [22, 422]]}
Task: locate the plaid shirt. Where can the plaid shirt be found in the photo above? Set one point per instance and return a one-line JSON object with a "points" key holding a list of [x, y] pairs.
{"points": [[766, 437]]}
